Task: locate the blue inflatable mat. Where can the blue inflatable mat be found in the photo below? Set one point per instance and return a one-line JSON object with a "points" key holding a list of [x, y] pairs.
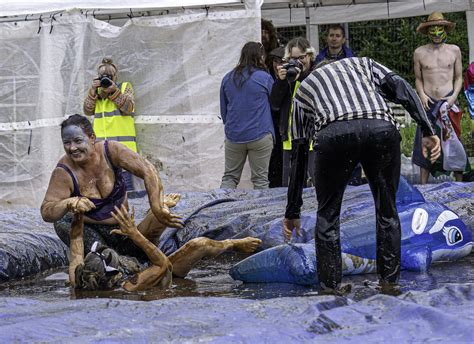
{"points": [[28, 245]]}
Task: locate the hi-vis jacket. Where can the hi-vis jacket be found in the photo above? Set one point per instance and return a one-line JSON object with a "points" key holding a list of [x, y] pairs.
{"points": [[110, 124], [287, 143]]}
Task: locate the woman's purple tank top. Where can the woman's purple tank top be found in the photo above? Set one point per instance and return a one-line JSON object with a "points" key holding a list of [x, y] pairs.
{"points": [[103, 206]]}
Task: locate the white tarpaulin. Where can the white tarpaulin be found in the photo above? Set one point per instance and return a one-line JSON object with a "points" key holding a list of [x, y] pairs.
{"points": [[22, 7], [175, 63]]}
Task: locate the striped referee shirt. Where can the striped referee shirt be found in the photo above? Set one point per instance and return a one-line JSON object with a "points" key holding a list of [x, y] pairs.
{"points": [[343, 90]]}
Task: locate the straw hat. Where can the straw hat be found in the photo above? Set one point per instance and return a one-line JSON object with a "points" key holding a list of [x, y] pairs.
{"points": [[435, 18]]}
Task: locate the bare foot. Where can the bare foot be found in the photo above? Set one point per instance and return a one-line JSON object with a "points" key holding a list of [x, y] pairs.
{"points": [[247, 244], [172, 199]]}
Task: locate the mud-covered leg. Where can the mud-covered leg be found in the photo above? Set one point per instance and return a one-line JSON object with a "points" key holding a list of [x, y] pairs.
{"points": [[194, 250]]}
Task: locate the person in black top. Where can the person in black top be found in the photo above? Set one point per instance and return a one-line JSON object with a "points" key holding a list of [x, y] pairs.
{"points": [[341, 107], [283, 90], [275, 169]]}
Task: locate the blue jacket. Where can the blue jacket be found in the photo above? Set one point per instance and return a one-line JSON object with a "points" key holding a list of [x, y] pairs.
{"points": [[246, 110], [323, 53]]}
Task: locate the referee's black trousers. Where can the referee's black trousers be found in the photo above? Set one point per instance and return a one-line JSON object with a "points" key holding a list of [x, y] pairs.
{"points": [[339, 146]]}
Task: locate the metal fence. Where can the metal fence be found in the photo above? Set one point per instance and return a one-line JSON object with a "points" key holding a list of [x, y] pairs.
{"points": [[391, 42]]}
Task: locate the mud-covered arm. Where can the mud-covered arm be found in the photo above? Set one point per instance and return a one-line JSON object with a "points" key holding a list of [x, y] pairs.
{"points": [[394, 88], [151, 276], [125, 158], [76, 246], [160, 263], [57, 201], [299, 163]]}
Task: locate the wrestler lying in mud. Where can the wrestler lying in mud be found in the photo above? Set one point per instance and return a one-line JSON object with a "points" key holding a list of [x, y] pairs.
{"points": [[88, 180], [103, 268]]}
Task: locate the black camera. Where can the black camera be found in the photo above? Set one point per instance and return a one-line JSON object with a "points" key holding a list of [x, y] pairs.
{"points": [[291, 68], [105, 81]]}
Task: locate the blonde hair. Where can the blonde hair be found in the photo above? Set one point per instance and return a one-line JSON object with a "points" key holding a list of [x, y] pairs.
{"points": [[302, 44], [107, 66]]}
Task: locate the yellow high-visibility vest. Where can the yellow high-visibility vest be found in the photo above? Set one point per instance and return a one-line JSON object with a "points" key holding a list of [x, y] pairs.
{"points": [[110, 124], [287, 143]]}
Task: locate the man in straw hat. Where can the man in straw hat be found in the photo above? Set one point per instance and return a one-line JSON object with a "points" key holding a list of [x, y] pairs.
{"points": [[438, 72]]}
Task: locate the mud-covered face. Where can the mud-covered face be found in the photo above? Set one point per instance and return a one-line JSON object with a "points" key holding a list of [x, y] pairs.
{"points": [[76, 143], [100, 269], [437, 34]]}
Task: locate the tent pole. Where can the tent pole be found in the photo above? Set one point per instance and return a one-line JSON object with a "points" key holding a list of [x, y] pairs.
{"points": [[470, 30], [346, 33], [314, 28], [308, 22]]}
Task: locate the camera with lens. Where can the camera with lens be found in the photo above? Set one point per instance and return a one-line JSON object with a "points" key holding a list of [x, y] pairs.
{"points": [[105, 81], [291, 69]]}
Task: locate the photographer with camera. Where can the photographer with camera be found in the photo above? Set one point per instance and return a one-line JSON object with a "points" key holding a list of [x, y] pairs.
{"points": [[299, 63], [112, 104]]}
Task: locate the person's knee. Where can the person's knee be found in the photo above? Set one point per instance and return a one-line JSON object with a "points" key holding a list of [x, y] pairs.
{"points": [[198, 242]]}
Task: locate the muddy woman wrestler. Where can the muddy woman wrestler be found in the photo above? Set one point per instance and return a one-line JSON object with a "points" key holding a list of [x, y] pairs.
{"points": [[88, 180]]}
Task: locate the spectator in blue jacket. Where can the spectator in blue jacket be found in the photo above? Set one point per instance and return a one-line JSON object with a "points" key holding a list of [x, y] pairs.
{"points": [[336, 48], [246, 113]]}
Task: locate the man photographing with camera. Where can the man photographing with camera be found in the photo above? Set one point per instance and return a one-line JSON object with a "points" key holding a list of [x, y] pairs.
{"points": [[299, 63]]}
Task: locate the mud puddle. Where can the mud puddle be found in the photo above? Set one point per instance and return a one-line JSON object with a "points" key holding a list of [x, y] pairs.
{"points": [[210, 278]]}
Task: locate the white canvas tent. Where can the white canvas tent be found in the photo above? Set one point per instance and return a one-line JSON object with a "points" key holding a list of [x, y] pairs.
{"points": [[175, 62], [175, 53]]}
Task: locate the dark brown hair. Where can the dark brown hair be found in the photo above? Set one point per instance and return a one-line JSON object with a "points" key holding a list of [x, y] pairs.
{"points": [[251, 57], [80, 121], [273, 43]]}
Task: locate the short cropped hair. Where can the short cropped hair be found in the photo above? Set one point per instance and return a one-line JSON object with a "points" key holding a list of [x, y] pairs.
{"points": [[337, 27]]}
